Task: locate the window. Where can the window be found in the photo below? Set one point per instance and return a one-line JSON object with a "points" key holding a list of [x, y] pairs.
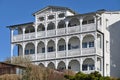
{"points": [[91, 21], [84, 45], [41, 18], [75, 47], [91, 67], [43, 50], [50, 49], [61, 15], [61, 48], [26, 52], [50, 16], [84, 22], [69, 46], [84, 67], [32, 51], [91, 44]]}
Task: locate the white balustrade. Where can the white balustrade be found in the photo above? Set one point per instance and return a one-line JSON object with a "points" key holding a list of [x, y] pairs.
{"points": [[17, 37], [74, 52], [88, 51], [31, 56], [50, 32], [40, 56], [73, 29], [61, 31], [88, 27], [61, 54], [40, 34], [28, 36], [50, 55]]}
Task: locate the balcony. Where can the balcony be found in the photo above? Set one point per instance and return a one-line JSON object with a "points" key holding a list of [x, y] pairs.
{"points": [[73, 52], [50, 33], [88, 51], [61, 54], [88, 27], [40, 56], [51, 55], [74, 29]]}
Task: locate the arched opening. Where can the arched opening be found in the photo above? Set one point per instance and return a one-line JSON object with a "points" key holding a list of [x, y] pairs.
{"points": [[51, 65], [88, 20], [61, 66], [29, 29], [41, 28], [61, 45], [88, 64], [74, 43], [41, 65], [51, 26], [61, 24], [88, 41], [73, 22], [74, 65], [41, 47], [51, 46], [29, 49], [17, 50], [99, 64]]}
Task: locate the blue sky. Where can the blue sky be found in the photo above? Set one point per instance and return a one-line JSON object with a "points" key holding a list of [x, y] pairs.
{"points": [[20, 11]]}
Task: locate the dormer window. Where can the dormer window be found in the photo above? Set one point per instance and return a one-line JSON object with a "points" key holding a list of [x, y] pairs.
{"points": [[41, 18], [50, 16], [61, 15]]}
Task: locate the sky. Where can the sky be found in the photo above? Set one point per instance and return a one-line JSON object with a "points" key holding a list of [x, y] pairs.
{"points": [[20, 11]]}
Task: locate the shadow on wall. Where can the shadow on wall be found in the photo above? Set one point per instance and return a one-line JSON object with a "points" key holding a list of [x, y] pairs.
{"points": [[115, 49]]}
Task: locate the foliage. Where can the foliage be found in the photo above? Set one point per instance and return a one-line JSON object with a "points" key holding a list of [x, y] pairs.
{"points": [[93, 76]]}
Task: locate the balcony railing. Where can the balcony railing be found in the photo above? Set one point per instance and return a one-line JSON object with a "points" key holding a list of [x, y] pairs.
{"points": [[51, 55], [61, 31], [74, 29], [74, 52], [50, 33], [61, 54], [88, 27], [40, 56], [88, 51]]}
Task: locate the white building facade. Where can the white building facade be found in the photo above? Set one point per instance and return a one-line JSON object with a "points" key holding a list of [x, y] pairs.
{"points": [[62, 39]]}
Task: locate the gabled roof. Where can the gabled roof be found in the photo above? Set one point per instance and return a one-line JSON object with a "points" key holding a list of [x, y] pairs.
{"points": [[54, 7]]}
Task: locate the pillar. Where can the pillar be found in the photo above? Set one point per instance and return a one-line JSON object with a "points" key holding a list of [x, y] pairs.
{"points": [[81, 20], [35, 50], [66, 46], [56, 48], [67, 27], [46, 49]]}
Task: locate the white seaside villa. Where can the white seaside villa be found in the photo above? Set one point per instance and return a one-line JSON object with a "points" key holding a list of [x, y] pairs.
{"points": [[60, 38]]}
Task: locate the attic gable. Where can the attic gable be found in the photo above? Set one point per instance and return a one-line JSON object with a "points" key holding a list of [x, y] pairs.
{"points": [[53, 8]]}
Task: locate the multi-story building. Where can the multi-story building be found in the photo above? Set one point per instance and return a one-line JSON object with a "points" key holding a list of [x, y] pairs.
{"points": [[60, 38]]}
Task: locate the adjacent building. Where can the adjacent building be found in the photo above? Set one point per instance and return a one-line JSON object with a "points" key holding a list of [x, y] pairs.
{"points": [[60, 38]]}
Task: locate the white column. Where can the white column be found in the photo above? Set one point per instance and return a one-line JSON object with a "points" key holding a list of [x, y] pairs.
{"points": [[56, 48], [23, 32], [12, 48], [12, 30], [95, 60], [95, 43], [81, 20], [56, 23], [67, 27], [46, 50], [23, 45], [67, 64], [66, 46], [80, 44], [95, 21], [46, 26], [35, 50], [81, 62], [35, 25]]}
